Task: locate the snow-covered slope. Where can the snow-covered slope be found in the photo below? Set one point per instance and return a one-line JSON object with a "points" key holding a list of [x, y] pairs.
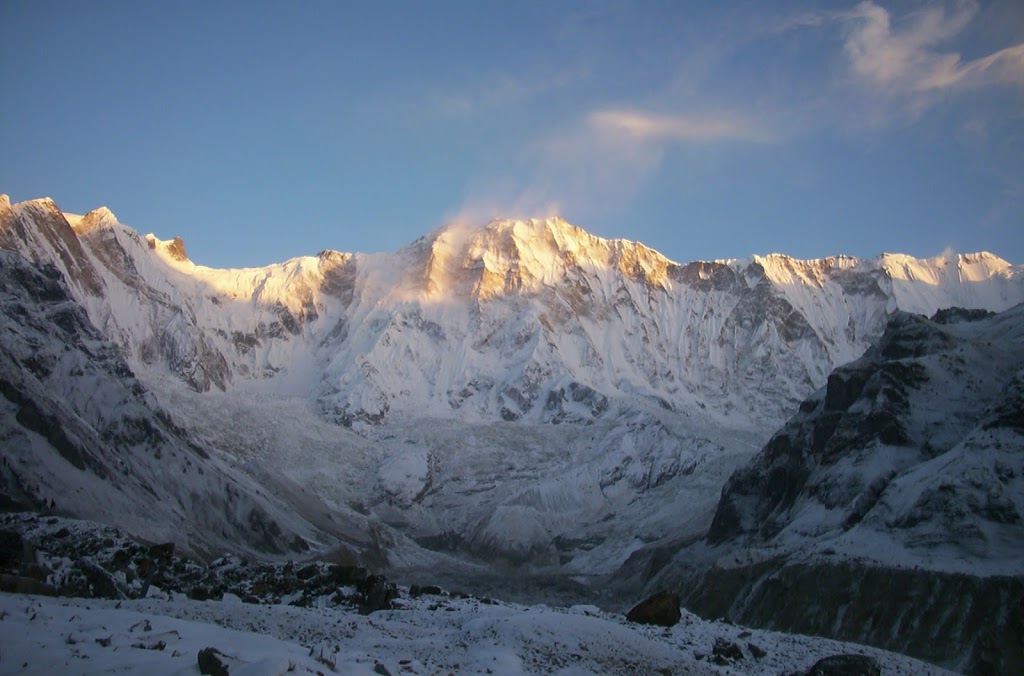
{"points": [[894, 499], [518, 392], [77, 636], [521, 319], [80, 435], [287, 619]]}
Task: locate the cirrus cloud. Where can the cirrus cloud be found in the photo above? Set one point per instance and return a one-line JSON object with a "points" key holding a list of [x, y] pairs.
{"points": [[600, 161], [652, 127], [909, 59]]}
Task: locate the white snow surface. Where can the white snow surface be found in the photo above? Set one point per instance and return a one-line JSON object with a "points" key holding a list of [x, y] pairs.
{"points": [[426, 635]]}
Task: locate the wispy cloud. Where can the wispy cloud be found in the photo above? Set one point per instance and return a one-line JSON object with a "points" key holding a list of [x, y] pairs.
{"points": [[862, 67], [878, 67], [908, 59], [600, 162], [504, 90], [649, 127], [488, 199]]}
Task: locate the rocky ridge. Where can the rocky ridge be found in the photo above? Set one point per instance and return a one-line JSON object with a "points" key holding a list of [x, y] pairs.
{"points": [[889, 509], [499, 320]]}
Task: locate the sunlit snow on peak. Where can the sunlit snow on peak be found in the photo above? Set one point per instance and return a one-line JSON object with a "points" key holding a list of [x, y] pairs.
{"points": [[100, 217]]}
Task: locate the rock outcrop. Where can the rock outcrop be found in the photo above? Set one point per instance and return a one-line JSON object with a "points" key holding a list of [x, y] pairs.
{"points": [[661, 609], [888, 511]]}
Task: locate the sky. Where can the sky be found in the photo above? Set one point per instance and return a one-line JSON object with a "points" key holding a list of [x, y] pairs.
{"points": [[259, 131]]}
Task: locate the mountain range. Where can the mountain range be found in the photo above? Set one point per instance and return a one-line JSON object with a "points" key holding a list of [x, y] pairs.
{"points": [[517, 399]]}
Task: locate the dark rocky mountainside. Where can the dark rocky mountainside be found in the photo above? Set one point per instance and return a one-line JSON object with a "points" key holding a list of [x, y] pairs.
{"points": [[926, 397], [889, 509]]}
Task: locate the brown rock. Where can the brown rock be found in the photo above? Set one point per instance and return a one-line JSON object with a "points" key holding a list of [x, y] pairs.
{"points": [[661, 609], [845, 665], [211, 662]]}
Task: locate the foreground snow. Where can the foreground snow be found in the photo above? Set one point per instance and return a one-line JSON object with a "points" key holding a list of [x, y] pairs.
{"points": [[426, 635]]}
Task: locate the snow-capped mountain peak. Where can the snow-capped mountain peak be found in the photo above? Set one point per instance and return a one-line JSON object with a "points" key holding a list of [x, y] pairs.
{"points": [[100, 217], [527, 256], [172, 250], [511, 311], [786, 270], [964, 266]]}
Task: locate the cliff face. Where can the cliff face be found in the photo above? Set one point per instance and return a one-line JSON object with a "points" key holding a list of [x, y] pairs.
{"points": [[890, 508], [916, 446], [81, 435], [968, 623]]}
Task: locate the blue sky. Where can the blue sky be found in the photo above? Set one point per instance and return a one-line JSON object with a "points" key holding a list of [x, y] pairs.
{"points": [[263, 130]]}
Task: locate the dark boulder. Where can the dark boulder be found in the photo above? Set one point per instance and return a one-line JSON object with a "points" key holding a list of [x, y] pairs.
{"points": [[375, 593], [341, 575], [205, 593], [308, 572], [661, 609], [726, 652], [212, 661], [845, 665], [90, 581], [20, 584], [426, 590], [12, 551], [150, 568]]}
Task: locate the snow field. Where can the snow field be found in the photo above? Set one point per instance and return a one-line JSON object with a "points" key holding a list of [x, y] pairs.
{"points": [[426, 635]]}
